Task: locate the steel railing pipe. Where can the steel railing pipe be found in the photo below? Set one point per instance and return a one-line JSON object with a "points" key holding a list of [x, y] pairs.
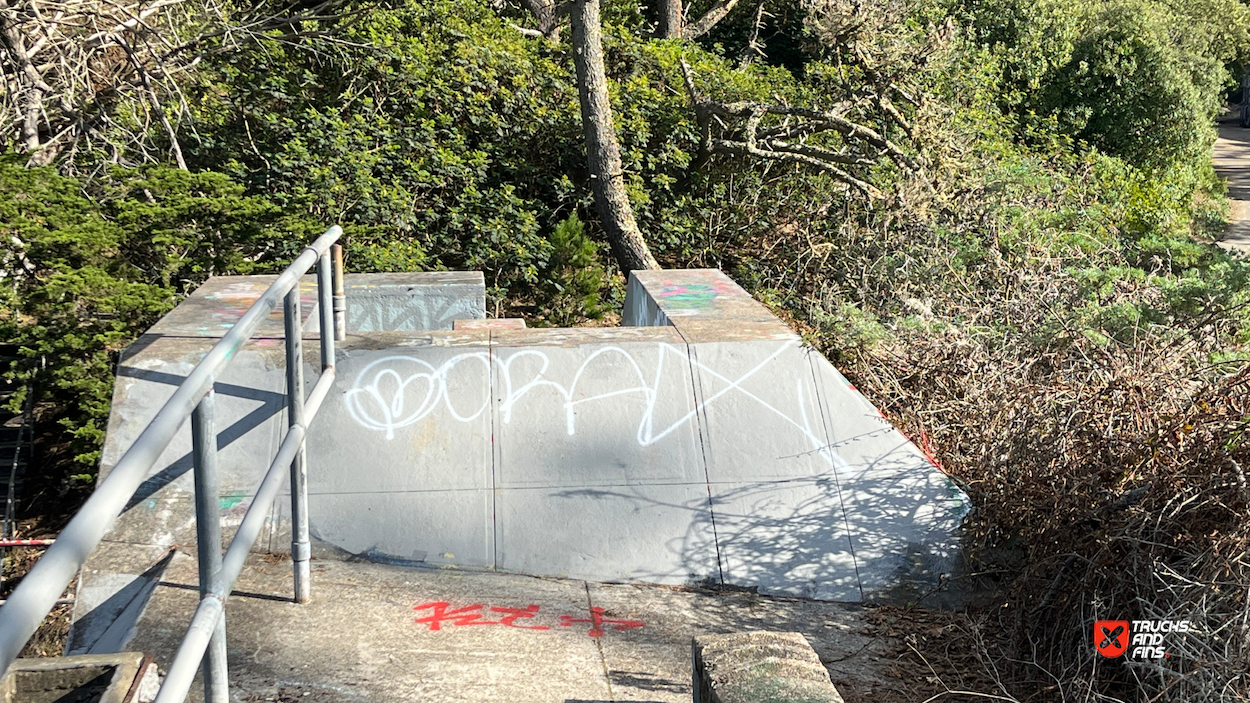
{"points": [[325, 308], [208, 537], [211, 608], [35, 597], [301, 550], [318, 394]]}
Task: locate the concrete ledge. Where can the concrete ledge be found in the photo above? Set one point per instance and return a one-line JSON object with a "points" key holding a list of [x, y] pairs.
{"points": [[760, 667], [102, 678]]}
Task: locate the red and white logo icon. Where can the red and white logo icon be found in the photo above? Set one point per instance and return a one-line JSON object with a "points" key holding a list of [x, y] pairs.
{"points": [[1111, 637]]}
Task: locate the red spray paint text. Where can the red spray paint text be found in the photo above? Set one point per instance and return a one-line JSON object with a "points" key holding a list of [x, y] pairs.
{"points": [[442, 613]]}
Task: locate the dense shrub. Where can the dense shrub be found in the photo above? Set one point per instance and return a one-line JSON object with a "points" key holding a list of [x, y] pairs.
{"points": [[88, 268]]}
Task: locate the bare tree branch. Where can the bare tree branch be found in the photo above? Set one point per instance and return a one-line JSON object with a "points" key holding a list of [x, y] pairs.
{"points": [[66, 64], [744, 134], [704, 24], [548, 13]]}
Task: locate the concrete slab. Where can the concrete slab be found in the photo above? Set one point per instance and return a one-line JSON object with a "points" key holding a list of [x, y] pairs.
{"points": [[406, 418], [214, 308], [370, 635], [648, 533], [453, 528], [116, 586], [251, 399], [902, 513], [604, 409], [760, 419], [502, 323], [786, 537]]}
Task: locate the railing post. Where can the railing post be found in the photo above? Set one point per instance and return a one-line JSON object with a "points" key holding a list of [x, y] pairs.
{"points": [[300, 549], [208, 538], [329, 326], [340, 295]]}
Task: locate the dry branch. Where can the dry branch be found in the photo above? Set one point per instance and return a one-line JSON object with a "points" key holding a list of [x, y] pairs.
{"points": [[742, 134], [70, 66]]}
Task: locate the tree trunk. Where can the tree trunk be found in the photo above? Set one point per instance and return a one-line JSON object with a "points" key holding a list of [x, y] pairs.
{"points": [[603, 153], [544, 12], [670, 20]]}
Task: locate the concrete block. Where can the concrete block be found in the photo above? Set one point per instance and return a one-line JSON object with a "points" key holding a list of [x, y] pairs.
{"points": [[99, 678], [760, 667], [376, 302], [398, 302], [601, 453], [596, 409], [649, 533], [903, 513], [705, 305], [785, 538]]}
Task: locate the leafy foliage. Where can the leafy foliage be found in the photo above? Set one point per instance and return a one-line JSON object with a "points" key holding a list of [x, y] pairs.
{"points": [[578, 277], [1038, 298], [89, 268]]}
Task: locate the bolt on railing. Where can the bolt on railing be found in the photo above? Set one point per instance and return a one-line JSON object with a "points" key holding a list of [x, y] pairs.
{"points": [[205, 640]]}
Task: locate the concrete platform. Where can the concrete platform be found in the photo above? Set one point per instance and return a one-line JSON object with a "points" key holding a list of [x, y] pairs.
{"points": [[702, 444], [388, 634]]}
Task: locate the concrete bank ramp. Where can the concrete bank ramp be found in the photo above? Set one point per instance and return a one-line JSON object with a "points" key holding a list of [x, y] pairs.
{"points": [[701, 443]]}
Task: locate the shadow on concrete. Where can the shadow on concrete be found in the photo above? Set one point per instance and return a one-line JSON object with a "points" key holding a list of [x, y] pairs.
{"points": [[233, 594], [647, 682], [792, 537], [271, 404], [110, 626]]}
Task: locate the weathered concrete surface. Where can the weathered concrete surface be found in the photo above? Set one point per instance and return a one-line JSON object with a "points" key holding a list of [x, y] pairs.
{"points": [[1232, 162], [366, 637], [713, 449], [376, 302], [501, 323], [99, 678], [816, 451], [760, 667]]}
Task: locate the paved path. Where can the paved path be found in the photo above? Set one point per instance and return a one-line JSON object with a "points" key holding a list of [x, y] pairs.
{"points": [[388, 634], [1232, 162]]}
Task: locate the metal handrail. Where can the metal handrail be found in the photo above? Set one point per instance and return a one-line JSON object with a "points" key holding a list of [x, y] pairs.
{"points": [[39, 591]]}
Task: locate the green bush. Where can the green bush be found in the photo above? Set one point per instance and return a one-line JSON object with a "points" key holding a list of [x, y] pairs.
{"points": [[90, 267]]}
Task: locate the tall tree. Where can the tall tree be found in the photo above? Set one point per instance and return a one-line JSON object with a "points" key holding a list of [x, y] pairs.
{"points": [[603, 152]]}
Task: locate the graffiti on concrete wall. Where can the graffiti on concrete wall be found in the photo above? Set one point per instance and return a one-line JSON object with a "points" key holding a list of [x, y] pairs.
{"points": [[678, 297], [398, 391], [441, 613], [398, 312]]}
